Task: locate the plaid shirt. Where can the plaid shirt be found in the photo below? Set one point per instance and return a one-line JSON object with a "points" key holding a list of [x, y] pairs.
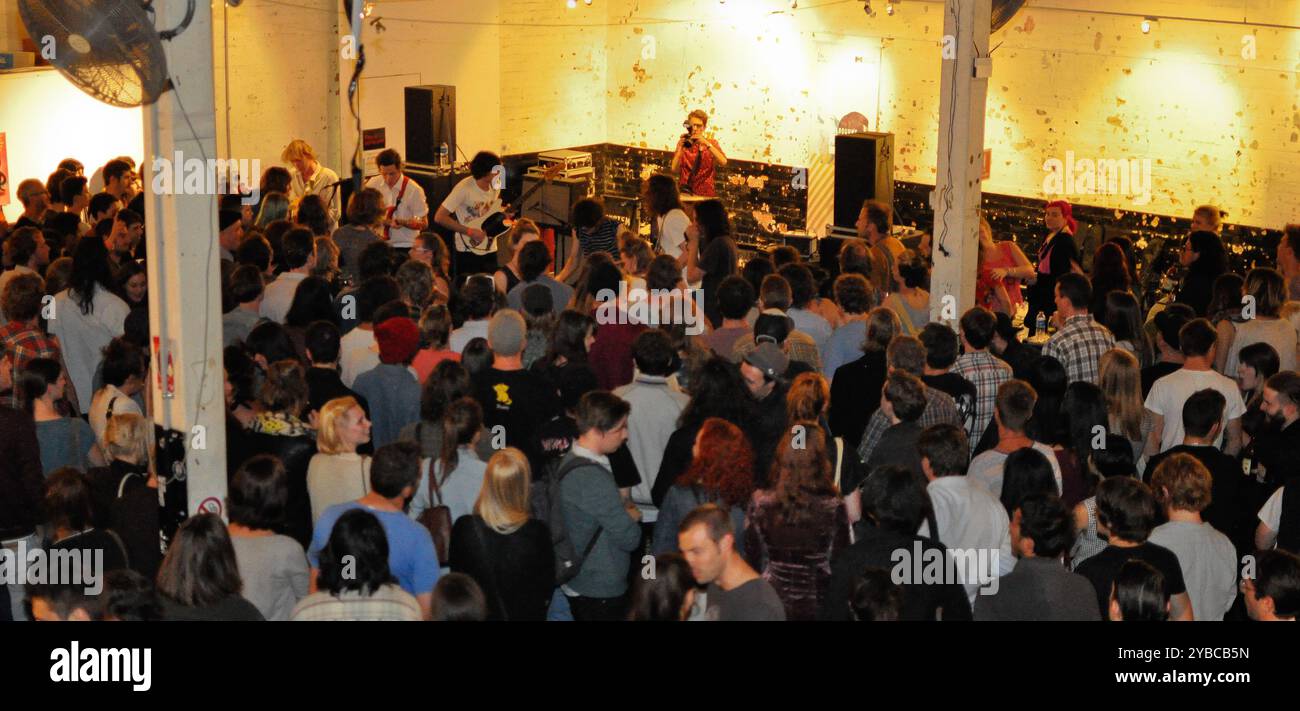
{"points": [[939, 410], [1079, 345], [986, 373], [24, 343]]}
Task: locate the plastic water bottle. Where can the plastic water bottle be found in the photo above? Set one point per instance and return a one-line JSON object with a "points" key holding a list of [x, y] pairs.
{"points": [[1040, 324], [444, 155]]}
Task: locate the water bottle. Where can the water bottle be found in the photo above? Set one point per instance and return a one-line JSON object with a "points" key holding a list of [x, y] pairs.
{"points": [[1040, 324], [444, 155]]}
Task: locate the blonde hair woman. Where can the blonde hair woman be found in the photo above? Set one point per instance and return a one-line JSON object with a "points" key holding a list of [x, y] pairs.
{"points": [[505, 551], [337, 473], [1121, 382]]}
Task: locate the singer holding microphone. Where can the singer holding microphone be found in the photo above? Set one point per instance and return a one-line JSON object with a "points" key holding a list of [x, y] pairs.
{"points": [[697, 157]]}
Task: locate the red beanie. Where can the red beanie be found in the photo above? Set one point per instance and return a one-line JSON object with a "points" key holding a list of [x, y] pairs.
{"points": [[398, 339]]}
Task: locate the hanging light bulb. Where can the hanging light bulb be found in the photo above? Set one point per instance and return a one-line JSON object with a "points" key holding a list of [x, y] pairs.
{"points": [[367, 9], [571, 4], [889, 9], [1146, 25]]}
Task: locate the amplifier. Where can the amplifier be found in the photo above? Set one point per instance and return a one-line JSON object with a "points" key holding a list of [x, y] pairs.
{"points": [[570, 160], [552, 203]]}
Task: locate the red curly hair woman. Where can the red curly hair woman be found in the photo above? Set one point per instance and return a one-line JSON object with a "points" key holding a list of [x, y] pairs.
{"points": [[721, 472]]}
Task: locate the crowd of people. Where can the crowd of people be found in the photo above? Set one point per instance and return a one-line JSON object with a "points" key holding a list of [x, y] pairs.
{"points": [[421, 428]]}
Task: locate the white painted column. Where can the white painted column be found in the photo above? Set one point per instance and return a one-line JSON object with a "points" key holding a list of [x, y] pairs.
{"points": [[184, 259], [956, 199]]}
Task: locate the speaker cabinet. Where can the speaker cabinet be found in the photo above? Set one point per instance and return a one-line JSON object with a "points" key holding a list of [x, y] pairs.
{"points": [[430, 121], [864, 170], [552, 203]]}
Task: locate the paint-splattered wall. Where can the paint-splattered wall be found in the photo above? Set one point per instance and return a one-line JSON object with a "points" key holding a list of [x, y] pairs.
{"points": [[1210, 108]]}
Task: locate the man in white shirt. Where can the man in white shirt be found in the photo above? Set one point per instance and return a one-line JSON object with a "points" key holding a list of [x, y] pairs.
{"points": [[299, 254], [1168, 395], [1013, 408], [408, 210], [1208, 558], [465, 209], [972, 524], [309, 177], [656, 405]]}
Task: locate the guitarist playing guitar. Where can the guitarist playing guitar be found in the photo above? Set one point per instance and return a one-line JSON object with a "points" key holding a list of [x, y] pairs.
{"points": [[408, 211], [474, 213]]}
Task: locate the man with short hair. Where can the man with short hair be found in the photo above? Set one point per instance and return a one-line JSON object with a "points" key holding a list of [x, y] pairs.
{"points": [[1208, 559], [119, 180], [1007, 347], [25, 249], [1012, 409], [1279, 519], [980, 367], [903, 400], [1274, 593], [735, 298], [62, 602], [1080, 341], [1126, 513], [969, 520], [392, 385], [102, 206], [408, 210], [941, 350], [70, 222], [394, 475], [594, 230], [35, 200], [517, 400], [323, 381], [1227, 510], [469, 202], [656, 405], [533, 261], [602, 528], [21, 337], [1040, 589], [1169, 356], [907, 353], [246, 288], [1197, 341], [479, 298], [299, 255], [802, 291], [128, 228], [855, 297], [736, 592], [875, 225]]}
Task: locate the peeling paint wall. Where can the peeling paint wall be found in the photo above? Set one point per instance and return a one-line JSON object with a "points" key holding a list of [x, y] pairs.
{"points": [[273, 77], [1214, 123]]}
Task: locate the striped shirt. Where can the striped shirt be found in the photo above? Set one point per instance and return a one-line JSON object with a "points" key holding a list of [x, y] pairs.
{"points": [[987, 373], [601, 238]]}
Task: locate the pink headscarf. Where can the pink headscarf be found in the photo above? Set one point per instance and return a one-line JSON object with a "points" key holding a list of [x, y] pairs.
{"points": [[1067, 213]]}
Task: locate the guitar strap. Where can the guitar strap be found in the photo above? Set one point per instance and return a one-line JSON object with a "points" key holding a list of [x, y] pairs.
{"points": [[393, 210]]}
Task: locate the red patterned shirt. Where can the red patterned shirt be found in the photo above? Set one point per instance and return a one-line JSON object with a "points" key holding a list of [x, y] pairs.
{"points": [[24, 343]]}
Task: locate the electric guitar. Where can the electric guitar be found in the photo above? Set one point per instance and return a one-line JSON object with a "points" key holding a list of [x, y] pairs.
{"points": [[498, 222]]}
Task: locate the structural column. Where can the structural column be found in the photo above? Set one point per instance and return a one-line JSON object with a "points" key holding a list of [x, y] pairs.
{"points": [[956, 199], [184, 257]]}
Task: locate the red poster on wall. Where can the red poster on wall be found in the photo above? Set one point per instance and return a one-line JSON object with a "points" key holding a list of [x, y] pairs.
{"points": [[4, 172]]}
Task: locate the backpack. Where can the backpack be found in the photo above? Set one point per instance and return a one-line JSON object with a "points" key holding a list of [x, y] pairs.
{"points": [[544, 500]]}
